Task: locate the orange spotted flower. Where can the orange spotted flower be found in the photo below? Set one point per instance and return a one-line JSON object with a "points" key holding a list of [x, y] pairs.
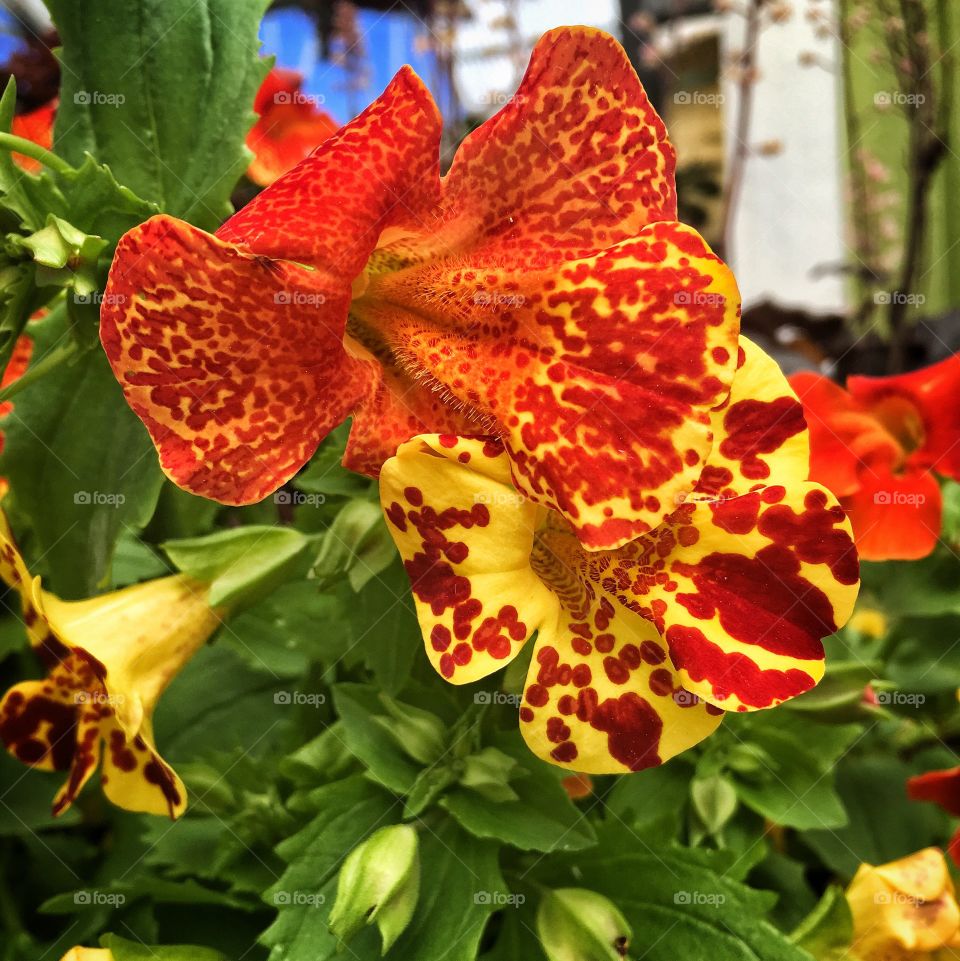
{"points": [[879, 444], [542, 292], [640, 650], [288, 128], [109, 659]]}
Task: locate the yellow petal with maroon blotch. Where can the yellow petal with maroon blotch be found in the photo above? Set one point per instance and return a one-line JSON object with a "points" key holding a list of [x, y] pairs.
{"points": [[465, 536], [136, 778], [743, 589], [601, 695], [598, 374], [759, 433]]}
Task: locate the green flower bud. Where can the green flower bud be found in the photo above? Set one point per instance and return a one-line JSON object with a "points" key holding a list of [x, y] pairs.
{"points": [[488, 771], [379, 882], [419, 733], [579, 925]]}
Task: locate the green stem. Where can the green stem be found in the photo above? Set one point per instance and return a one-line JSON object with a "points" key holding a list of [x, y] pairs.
{"points": [[43, 367], [28, 148]]}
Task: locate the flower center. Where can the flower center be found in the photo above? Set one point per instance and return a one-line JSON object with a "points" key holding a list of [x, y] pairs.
{"points": [[902, 421]]}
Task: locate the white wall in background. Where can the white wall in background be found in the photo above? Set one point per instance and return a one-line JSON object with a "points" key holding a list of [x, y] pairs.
{"points": [[791, 216]]}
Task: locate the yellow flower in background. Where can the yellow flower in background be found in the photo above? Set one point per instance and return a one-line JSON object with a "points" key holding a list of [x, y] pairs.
{"points": [[109, 659], [906, 909], [869, 622], [88, 954]]}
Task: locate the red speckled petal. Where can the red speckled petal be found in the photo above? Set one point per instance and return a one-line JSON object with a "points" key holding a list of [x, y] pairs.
{"points": [[234, 362], [844, 436], [288, 128], [38, 723], [940, 787], [379, 171], [758, 433], [923, 408], [394, 409], [465, 537], [576, 161], [895, 516], [601, 695], [743, 590], [599, 375]]}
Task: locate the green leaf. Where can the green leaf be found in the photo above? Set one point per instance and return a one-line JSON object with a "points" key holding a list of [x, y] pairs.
{"points": [[924, 656], [799, 791], [123, 950], [80, 464], [679, 901], [369, 741], [242, 565], [542, 818], [884, 824], [357, 544], [827, 932], [461, 887], [350, 810], [163, 94]]}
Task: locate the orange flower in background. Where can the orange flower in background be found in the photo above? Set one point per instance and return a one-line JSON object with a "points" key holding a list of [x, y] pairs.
{"points": [[38, 127], [16, 368], [905, 910], [289, 126], [878, 446], [640, 650], [943, 789], [542, 292]]}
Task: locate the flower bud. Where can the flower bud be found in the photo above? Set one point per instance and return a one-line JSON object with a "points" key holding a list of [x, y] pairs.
{"points": [[575, 924], [379, 882], [420, 734]]}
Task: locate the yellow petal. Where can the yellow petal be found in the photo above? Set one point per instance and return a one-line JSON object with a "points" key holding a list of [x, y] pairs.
{"points": [[465, 536]]}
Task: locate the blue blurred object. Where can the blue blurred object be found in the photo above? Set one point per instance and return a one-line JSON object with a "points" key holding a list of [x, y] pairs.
{"points": [[389, 41], [10, 40]]}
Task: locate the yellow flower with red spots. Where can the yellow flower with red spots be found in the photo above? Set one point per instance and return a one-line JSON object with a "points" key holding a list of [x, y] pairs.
{"points": [[879, 445], [109, 660], [541, 291], [640, 649], [905, 910]]}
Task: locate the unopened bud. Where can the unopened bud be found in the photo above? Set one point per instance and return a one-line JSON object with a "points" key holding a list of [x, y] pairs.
{"points": [[420, 734], [379, 883], [575, 924]]}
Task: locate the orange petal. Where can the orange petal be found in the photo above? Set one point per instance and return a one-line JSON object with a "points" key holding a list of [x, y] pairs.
{"points": [[599, 375], [289, 127], [38, 127], [895, 517], [379, 171], [233, 361], [576, 161], [931, 396]]}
